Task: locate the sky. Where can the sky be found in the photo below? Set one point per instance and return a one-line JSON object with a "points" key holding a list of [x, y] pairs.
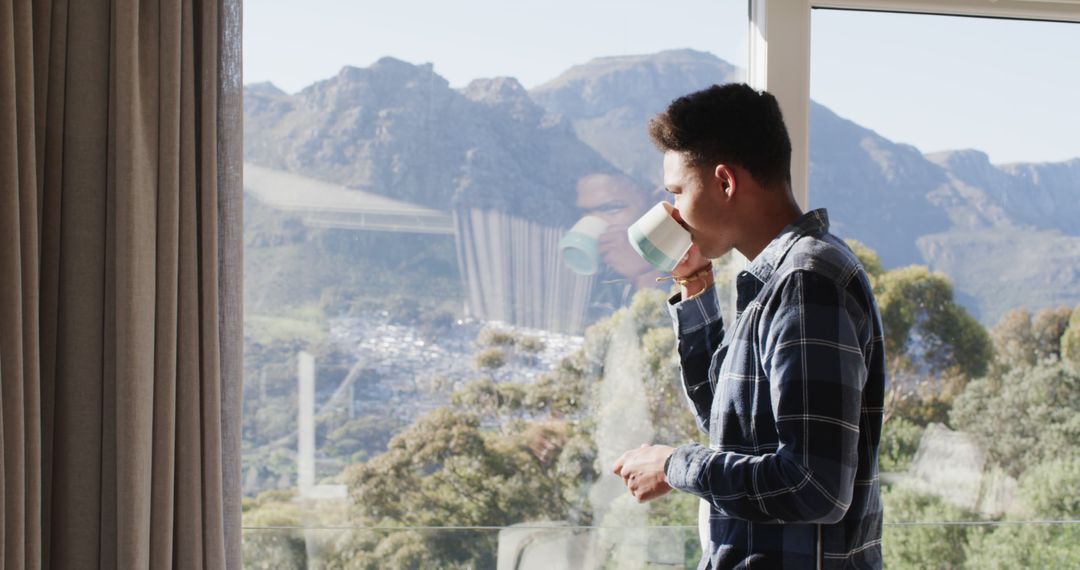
{"points": [[1008, 88]]}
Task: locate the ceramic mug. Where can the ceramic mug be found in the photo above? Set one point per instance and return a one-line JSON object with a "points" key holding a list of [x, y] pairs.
{"points": [[659, 238], [580, 247]]}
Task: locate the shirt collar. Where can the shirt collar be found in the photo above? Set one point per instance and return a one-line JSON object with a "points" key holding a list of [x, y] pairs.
{"points": [[814, 222]]}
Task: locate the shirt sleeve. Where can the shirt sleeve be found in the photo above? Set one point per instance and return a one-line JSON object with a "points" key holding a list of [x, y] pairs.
{"points": [[813, 356], [699, 330]]}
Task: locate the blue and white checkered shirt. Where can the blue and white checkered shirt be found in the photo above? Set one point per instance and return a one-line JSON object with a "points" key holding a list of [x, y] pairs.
{"points": [[792, 397]]}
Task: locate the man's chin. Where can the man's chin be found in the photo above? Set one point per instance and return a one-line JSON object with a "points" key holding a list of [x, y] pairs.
{"points": [[714, 252]]}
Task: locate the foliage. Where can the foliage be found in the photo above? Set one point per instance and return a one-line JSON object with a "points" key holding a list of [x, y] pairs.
{"points": [[933, 346], [490, 399], [360, 438], [649, 310], [1026, 546], [500, 453], [1070, 340], [490, 359], [899, 442], [1048, 326], [1020, 340], [530, 344], [495, 337], [923, 546], [1051, 492], [268, 548], [1028, 416], [515, 346], [923, 323], [446, 470]]}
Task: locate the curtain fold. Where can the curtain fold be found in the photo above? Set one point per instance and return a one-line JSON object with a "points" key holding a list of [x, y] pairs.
{"points": [[120, 270]]}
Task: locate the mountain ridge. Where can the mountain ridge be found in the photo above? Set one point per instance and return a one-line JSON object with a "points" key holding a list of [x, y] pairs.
{"points": [[399, 129]]}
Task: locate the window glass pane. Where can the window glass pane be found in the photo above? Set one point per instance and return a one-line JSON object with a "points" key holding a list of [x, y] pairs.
{"points": [[946, 147], [438, 371]]}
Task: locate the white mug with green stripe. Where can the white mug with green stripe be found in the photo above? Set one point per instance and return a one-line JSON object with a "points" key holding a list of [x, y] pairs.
{"points": [[659, 238]]}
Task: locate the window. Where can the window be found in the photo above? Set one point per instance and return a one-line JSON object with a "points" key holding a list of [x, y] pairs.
{"points": [[946, 146], [438, 372]]}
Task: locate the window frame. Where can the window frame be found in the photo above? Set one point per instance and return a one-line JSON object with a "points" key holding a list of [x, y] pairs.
{"points": [[779, 51]]}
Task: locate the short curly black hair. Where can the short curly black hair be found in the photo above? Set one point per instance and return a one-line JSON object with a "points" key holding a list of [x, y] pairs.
{"points": [[731, 123]]}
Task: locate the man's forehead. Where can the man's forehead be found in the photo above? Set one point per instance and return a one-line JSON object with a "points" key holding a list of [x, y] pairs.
{"points": [[675, 168]]}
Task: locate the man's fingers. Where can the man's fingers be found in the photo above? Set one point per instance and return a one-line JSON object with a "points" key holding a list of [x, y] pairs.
{"points": [[619, 464]]}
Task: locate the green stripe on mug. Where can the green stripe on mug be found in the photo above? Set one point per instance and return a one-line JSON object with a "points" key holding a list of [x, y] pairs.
{"points": [[650, 252]]}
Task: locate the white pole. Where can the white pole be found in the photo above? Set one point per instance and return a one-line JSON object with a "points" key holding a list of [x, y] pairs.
{"points": [[306, 405]]}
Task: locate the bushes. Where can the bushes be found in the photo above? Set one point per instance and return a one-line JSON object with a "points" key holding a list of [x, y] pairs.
{"points": [[899, 442], [1027, 417], [924, 546], [1048, 492]]}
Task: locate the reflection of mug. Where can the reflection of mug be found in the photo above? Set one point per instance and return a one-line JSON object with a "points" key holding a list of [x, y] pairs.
{"points": [[580, 246], [659, 238]]}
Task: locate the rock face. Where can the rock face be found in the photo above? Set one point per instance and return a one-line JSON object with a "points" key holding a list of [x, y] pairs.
{"points": [[399, 130], [1006, 234], [609, 101]]}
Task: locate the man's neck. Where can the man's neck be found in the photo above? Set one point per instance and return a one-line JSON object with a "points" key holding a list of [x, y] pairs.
{"points": [[767, 227]]}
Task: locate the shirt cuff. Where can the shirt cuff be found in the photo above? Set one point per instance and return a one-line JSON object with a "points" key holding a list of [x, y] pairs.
{"points": [[684, 468], [696, 313]]}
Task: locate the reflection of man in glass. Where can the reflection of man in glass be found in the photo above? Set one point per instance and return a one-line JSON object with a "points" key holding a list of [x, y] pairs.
{"points": [[791, 393], [617, 200]]}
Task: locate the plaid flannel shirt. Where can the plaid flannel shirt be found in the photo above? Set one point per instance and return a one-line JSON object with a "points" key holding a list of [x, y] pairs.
{"points": [[792, 397]]}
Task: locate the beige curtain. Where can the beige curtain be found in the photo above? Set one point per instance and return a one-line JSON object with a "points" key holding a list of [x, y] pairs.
{"points": [[119, 283]]}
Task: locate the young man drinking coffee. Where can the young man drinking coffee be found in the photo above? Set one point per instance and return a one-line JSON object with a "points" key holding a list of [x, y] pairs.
{"points": [[791, 392]]}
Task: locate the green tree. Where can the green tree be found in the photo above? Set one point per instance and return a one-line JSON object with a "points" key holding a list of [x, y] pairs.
{"points": [[495, 337], [360, 438], [1048, 327], [1070, 339], [933, 345], [490, 399], [924, 324], [1022, 340], [1026, 417], [899, 441], [1049, 492], [908, 542], [446, 470], [273, 548], [490, 359]]}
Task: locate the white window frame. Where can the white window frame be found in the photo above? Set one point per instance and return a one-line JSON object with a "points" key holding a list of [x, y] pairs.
{"points": [[780, 51]]}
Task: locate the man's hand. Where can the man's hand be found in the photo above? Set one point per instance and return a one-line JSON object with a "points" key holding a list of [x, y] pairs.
{"points": [[642, 470], [620, 256]]}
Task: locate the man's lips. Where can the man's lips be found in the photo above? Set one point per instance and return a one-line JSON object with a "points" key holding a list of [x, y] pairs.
{"points": [[678, 218]]}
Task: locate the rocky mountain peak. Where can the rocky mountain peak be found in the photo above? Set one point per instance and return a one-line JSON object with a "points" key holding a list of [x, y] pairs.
{"points": [[964, 159], [504, 94], [264, 88]]}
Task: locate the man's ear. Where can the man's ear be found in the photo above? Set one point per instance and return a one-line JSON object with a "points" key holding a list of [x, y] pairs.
{"points": [[724, 178]]}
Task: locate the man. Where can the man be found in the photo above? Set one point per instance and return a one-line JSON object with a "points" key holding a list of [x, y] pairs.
{"points": [[790, 393]]}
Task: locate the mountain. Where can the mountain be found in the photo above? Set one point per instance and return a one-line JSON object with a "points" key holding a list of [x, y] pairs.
{"points": [[609, 101], [1006, 234], [399, 130]]}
